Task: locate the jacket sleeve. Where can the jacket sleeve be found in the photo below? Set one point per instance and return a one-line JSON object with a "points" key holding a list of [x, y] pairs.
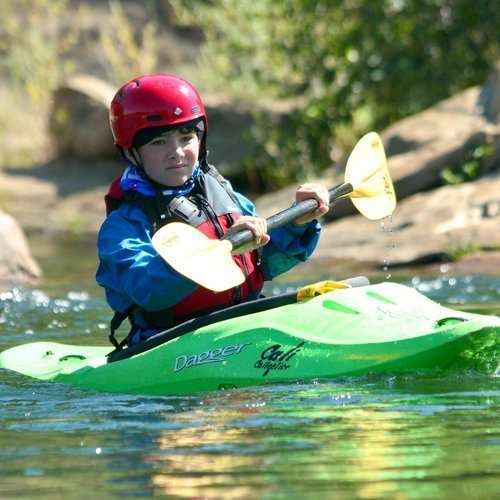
{"points": [[130, 269], [289, 245]]}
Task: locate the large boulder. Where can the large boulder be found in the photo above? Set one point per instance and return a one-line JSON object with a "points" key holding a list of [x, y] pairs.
{"points": [[17, 266], [421, 146], [228, 124], [435, 226], [79, 123]]}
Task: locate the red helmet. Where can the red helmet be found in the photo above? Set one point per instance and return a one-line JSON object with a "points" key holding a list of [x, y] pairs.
{"points": [[154, 101]]}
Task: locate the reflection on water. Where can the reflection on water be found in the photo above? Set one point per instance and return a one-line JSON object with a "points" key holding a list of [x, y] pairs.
{"points": [[372, 438], [368, 438]]}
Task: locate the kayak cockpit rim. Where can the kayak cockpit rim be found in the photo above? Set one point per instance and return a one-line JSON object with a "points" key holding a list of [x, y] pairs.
{"points": [[250, 307]]}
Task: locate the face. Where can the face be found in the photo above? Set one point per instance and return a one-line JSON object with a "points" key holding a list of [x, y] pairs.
{"points": [[170, 158]]}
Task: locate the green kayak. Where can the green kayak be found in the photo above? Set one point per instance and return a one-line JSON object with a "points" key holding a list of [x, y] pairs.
{"points": [[383, 328]]}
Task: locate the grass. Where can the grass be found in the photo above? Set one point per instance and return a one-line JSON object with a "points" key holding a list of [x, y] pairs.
{"points": [[458, 252], [23, 137]]}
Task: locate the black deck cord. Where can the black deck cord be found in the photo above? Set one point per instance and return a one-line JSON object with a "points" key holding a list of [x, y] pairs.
{"points": [[190, 325]]}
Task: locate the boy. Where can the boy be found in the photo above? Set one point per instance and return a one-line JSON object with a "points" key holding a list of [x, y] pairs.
{"points": [[160, 126]]}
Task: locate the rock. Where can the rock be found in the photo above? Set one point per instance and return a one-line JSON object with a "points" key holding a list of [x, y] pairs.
{"points": [[427, 227], [419, 148], [17, 266], [68, 193], [271, 203], [27, 197], [227, 126], [79, 123]]}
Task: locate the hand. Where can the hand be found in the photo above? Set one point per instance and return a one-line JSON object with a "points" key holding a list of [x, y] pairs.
{"points": [[319, 193], [257, 225]]}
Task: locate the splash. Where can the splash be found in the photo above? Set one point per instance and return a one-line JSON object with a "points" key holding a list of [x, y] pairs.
{"points": [[386, 225]]}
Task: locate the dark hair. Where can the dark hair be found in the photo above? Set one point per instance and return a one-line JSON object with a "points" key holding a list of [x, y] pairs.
{"points": [[146, 135]]}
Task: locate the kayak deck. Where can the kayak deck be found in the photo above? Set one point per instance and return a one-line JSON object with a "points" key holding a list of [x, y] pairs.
{"points": [[384, 328]]}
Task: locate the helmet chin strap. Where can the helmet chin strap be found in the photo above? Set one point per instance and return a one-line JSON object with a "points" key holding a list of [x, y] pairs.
{"points": [[136, 158], [132, 156]]}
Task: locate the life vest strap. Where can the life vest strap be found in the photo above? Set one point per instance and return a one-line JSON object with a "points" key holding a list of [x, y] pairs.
{"points": [[115, 323]]}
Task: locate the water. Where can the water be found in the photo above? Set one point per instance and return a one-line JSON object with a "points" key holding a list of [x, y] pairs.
{"points": [[375, 437]]}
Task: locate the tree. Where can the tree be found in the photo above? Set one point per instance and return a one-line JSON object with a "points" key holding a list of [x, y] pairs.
{"points": [[347, 66]]}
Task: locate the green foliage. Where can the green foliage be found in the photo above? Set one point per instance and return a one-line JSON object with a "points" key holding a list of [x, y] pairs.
{"points": [[458, 252], [37, 36], [335, 61], [473, 167], [125, 54], [32, 42], [22, 141]]}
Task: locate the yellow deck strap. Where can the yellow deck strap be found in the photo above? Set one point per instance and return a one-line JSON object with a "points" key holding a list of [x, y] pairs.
{"points": [[319, 288]]}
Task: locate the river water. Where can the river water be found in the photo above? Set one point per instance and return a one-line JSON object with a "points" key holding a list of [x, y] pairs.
{"points": [[370, 438]]}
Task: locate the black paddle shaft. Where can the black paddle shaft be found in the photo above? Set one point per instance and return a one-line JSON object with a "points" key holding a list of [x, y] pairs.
{"points": [[290, 214]]}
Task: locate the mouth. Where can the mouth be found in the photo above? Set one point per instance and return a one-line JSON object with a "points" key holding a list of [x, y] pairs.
{"points": [[176, 167]]}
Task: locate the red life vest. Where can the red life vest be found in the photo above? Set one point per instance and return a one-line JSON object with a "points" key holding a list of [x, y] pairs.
{"points": [[216, 210], [114, 197]]}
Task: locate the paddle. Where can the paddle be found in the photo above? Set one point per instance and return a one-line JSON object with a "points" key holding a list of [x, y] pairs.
{"points": [[209, 262]]}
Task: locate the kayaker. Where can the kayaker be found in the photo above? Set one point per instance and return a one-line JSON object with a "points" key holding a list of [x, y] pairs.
{"points": [[160, 127]]}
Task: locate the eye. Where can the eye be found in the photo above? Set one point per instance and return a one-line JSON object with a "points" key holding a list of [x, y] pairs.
{"points": [[188, 137], [158, 142]]}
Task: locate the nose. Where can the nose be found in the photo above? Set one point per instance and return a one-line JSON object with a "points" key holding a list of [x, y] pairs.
{"points": [[175, 149]]}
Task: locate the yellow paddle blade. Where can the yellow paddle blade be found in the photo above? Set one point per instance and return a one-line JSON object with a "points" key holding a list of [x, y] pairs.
{"points": [[202, 260], [367, 171]]}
